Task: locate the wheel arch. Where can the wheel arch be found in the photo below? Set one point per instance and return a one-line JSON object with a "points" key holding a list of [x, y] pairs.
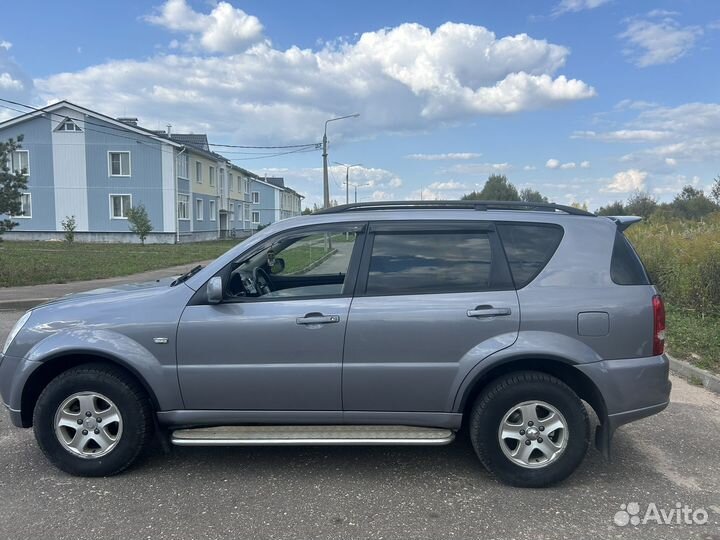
{"points": [[54, 366], [558, 367]]}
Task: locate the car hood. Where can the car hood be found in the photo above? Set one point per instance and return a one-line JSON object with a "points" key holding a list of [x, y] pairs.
{"points": [[111, 291]]}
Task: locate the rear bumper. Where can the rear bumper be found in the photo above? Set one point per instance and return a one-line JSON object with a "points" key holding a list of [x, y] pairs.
{"points": [[631, 389]]}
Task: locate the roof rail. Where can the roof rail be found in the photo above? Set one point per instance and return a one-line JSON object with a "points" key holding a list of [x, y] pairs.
{"points": [[456, 205]]}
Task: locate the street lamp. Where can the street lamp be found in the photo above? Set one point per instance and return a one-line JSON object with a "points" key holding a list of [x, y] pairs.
{"points": [[357, 186], [326, 185], [347, 178]]}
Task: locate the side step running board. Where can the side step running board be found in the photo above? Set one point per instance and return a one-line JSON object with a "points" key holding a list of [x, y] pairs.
{"points": [[311, 435]]}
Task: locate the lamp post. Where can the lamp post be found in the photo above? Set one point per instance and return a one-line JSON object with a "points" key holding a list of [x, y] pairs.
{"points": [[347, 178], [357, 186], [326, 185]]}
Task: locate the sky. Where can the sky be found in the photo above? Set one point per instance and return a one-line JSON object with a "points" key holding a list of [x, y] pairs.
{"points": [[584, 100]]}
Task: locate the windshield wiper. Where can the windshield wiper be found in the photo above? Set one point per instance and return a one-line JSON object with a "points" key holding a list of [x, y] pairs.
{"points": [[187, 275]]}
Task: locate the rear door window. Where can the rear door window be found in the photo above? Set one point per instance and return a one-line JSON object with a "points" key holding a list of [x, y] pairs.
{"points": [[430, 262], [529, 247]]}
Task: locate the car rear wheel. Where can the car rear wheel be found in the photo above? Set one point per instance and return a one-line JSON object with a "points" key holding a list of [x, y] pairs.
{"points": [[529, 429], [92, 420]]}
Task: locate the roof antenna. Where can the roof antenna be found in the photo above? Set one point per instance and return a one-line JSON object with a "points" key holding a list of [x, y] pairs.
{"points": [[169, 129]]}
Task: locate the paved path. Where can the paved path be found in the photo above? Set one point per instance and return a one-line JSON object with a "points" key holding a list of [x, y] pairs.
{"points": [[369, 492], [14, 298]]}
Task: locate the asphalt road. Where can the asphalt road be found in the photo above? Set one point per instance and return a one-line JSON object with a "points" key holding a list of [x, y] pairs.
{"points": [[370, 492]]}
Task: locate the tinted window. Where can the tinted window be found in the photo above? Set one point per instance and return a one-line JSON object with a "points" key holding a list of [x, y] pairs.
{"points": [[431, 262], [625, 267], [528, 248]]}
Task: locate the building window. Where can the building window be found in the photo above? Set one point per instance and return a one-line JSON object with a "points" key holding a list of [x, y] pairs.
{"points": [[255, 197], [256, 217], [69, 126], [230, 182], [198, 172], [25, 206], [231, 212], [211, 176], [246, 212], [246, 184], [212, 210], [119, 163], [183, 204], [183, 166], [19, 162], [199, 207], [240, 212], [119, 205]]}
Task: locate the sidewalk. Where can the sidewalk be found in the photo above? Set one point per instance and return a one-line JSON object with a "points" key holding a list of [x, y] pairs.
{"points": [[19, 298]]}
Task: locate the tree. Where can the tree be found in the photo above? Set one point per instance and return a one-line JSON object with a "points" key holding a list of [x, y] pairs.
{"points": [[497, 188], [692, 203], [12, 184], [616, 208], [69, 225], [715, 190], [530, 195], [139, 222], [641, 204], [579, 205]]}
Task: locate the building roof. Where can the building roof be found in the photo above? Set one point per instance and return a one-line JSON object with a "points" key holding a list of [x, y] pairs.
{"points": [[198, 140], [50, 110]]}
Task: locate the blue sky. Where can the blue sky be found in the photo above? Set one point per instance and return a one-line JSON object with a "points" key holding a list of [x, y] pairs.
{"points": [[584, 100]]}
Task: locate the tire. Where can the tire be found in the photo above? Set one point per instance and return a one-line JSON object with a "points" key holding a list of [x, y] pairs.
{"points": [[510, 401], [119, 441]]}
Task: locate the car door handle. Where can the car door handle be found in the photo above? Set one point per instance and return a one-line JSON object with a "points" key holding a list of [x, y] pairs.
{"points": [[317, 318], [488, 311]]}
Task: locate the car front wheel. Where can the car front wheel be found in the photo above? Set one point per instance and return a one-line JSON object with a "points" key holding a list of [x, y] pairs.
{"points": [[92, 420], [529, 429]]}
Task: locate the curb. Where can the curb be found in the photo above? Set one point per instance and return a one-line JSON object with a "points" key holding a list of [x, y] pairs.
{"points": [[709, 381]]}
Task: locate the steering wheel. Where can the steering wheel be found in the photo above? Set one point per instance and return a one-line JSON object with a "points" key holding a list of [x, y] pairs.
{"points": [[262, 281]]}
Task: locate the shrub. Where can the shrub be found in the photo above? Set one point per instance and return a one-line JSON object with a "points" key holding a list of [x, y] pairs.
{"points": [[69, 225], [139, 222]]}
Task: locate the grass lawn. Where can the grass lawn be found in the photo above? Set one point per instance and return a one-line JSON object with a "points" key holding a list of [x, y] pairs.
{"points": [[694, 338], [33, 263]]}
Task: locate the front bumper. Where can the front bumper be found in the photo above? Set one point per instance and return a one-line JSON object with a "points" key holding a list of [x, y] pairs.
{"points": [[631, 389]]}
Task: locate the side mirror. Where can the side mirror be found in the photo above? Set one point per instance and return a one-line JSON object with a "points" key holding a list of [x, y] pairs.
{"points": [[215, 290], [278, 266]]}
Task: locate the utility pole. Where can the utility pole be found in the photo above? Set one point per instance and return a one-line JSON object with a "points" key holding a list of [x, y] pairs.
{"points": [[347, 178], [326, 183]]}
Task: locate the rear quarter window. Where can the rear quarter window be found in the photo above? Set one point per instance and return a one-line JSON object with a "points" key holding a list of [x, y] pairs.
{"points": [[528, 247], [625, 266]]}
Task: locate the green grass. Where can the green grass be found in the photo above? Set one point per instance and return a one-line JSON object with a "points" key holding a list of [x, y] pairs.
{"points": [[33, 263], [694, 338]]}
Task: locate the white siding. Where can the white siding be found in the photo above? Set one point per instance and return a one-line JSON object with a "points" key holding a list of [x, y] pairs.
{"points": [[70, 172], [168, 186]]}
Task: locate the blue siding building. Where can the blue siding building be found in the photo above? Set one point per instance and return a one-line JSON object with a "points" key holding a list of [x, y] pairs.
{"points": [[84, 164]]}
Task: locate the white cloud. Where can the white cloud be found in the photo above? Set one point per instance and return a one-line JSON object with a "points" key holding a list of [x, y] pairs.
{"points": [[529, 168], [400, 79], [623, 135], [584, 164], [452, 156], [8, 83], [225, 29], [5, 45], [381, 196], [662, 13], [570, 165], [552, 163], [653, 42], [395, 182], [447, 186], [670, 161], [478, 168], [627, 181], [566, 6]]}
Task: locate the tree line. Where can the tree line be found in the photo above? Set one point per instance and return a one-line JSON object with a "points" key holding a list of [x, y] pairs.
{"points": [[689, 203]]}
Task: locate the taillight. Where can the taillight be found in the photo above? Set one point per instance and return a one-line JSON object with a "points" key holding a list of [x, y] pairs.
{"points": [[658, 325]]}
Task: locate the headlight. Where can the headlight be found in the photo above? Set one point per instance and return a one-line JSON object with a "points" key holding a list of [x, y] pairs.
{"points": [[14, 332]]}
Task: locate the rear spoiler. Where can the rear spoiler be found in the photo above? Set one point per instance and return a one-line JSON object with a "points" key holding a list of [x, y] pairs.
{"points": [[623, 222]]}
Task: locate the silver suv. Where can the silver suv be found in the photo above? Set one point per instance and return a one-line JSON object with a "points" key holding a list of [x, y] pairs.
{"points": [[378, 323]]}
